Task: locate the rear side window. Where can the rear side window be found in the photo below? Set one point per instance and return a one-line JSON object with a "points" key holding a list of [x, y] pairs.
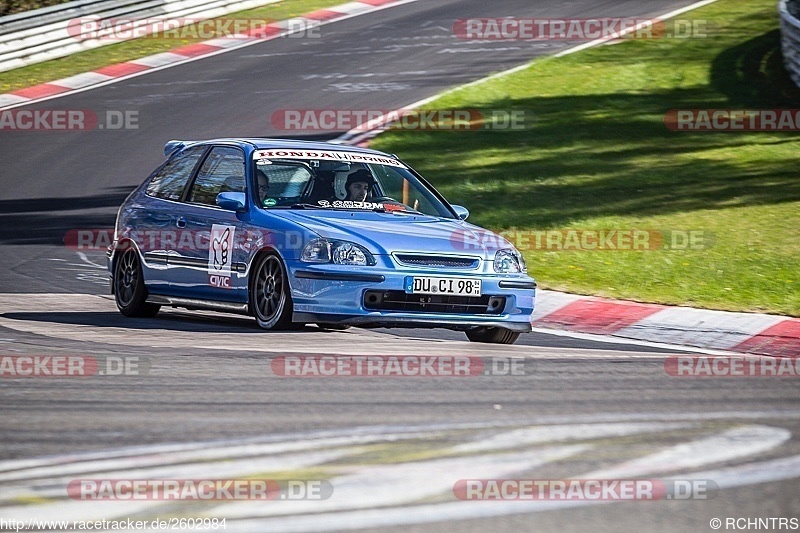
{"points": [[222, 171], [170, 181]]}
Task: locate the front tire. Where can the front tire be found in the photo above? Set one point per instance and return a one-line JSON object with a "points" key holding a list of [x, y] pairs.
{"points": [[130, 293], [269, 295], [493, 335]]}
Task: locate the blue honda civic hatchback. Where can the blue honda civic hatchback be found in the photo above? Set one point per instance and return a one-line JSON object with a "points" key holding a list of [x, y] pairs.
{"points": [[295, 232]]}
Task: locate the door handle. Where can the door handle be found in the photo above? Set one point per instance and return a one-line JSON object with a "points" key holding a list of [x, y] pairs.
{"points": [[181, 223]]}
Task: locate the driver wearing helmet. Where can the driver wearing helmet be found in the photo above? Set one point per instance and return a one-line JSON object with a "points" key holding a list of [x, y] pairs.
{"points": [[358, 185]]}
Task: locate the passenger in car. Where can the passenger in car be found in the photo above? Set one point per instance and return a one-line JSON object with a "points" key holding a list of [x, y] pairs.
{"points": [[263, 185]]}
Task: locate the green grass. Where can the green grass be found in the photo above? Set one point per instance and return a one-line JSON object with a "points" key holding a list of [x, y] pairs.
{"points": [[601, 157], [134, 49]]}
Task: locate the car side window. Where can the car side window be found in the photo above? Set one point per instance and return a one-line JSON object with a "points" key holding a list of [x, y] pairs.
{"points": [[170, 181], [393, 184], [222, 171]]}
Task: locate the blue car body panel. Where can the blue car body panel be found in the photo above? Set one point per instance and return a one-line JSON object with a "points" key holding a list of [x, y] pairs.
{"points": [[320, 292]]}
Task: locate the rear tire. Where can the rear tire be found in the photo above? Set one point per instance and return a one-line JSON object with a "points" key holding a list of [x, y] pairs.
{"points": [[270, 299], [493, 335], [130, 293]]}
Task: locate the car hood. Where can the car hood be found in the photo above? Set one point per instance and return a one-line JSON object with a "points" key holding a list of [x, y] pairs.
{"points": [[386, 233]]}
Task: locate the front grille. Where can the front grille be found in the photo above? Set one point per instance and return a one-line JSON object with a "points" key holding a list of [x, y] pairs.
{"points": [[434, 303], [437, 261]]}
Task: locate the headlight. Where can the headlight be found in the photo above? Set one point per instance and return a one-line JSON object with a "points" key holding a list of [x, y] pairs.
{"points": [[508, 261], [336, 252], [316, 251], [347, 253]]}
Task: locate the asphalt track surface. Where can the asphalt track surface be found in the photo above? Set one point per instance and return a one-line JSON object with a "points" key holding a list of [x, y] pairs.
{"points": [[207, 403]]}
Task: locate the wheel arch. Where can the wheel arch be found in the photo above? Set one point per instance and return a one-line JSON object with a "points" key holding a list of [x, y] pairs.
{"points": [[122, 246], [251, 272]]}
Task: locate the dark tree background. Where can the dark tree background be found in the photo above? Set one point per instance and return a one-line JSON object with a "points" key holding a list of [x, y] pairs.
{"points": [[9, 7]]}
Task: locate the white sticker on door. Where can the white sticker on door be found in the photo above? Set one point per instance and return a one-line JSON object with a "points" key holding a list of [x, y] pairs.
{"points": [[220, 249]]}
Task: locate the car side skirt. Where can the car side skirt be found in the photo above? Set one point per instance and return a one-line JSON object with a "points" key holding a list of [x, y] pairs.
{"points": [[196, 304]]}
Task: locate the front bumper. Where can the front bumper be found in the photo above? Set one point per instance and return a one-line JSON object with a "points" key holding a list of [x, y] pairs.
{"points": [[335, 294]]}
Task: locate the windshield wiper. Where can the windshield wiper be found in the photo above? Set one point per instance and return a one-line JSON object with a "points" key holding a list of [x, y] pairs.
{"points": [[306, 206]]}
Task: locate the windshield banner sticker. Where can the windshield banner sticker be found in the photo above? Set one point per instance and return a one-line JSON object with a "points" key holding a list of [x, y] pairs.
{"points": [[349, 204], [354, 157]]}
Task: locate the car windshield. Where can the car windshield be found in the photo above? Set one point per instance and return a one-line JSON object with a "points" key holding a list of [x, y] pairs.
{"points": [[287, 180]]}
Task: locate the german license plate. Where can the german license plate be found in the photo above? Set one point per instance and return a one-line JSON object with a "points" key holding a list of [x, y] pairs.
{"points": [[449, 286]]}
